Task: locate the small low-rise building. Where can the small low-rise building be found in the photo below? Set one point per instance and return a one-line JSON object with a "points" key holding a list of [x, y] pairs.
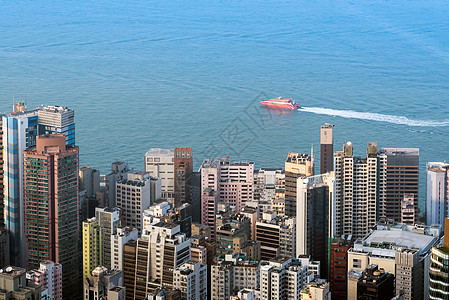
{"points": [[15, 285]]}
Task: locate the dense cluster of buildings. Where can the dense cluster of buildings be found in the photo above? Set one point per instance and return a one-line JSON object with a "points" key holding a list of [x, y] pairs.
{"points": [[226, 231]]}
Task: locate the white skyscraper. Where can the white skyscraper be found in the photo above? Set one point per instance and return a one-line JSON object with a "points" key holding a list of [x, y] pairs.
{"points": [[118, 240], [191, 280], [358, 190], [19, 133], [437, 193], [315, 217], [160, 163], [133, 196]]}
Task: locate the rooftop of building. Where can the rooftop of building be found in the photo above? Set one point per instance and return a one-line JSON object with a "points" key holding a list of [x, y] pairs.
{"points": [[401, 151], [163, 224], [249, 209], [136, 182], [293, 157], [386, 242], [12, 271], [263, 170], [25, 113], [344, 240], [223, 162], [319, 283], [390, 224], [437, 166], [354, 275], [55, 108], [281, 220], [109, 209], [125, 230], [317, 181], [373, 274], [197, 236], [160, 152]]}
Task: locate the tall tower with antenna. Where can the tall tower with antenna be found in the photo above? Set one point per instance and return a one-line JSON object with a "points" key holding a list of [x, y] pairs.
{"points": [[327, 148]]}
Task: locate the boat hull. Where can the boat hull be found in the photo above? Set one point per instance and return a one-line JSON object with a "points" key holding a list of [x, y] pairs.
{"points": [[286, 105]]}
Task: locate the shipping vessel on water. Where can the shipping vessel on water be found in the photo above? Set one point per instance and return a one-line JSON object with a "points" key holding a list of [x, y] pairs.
{"points": [[286, 103]]}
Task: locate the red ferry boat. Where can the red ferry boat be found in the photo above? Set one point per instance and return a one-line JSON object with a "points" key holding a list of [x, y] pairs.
{"points": [[279, 102]]}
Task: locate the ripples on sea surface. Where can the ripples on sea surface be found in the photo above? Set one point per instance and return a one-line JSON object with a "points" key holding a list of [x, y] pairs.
{"points": [[166, 74]]}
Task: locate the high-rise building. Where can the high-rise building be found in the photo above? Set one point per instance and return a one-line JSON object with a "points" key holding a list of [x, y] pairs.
{"points": [[48, 277], [277, 236], [282, 279], [119, 171], [57, 119], [92, 246], [402, 177], [4, 248], [236, 183], [20, 129], [233, 272], [191, 279], [198, 249], [327, 148], [296, 166], [133, 196], [356, 191], [109, 219], [52, 208], [210, 173], [2, 221], [439, 272], [232, 234], [268, 183], [209, 204], [339, 267], [183, 168], [89, 180], [149, 263], [160, 164], [409, 276], [234, 180], [253, 214], [437, 193], [314, 217], [104, 284], [118, 241], [400, 249], [181, 215]]}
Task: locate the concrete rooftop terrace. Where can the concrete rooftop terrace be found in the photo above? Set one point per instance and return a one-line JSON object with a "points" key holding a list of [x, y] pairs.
{"points": [[397, 238]]}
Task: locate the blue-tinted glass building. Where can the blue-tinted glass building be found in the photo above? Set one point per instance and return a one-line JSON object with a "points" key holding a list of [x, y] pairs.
{"points": [[19, 133]]}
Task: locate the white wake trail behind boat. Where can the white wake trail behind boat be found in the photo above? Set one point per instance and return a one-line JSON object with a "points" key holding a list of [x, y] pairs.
{"points": [[375, 117]]}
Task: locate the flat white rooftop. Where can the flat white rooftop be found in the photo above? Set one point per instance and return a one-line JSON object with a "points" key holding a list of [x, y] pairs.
{"points": [[396, 238], [160, 152]]}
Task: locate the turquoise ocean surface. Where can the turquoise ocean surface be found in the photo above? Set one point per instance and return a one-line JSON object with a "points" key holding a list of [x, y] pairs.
{"points": [[143, 74]]}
